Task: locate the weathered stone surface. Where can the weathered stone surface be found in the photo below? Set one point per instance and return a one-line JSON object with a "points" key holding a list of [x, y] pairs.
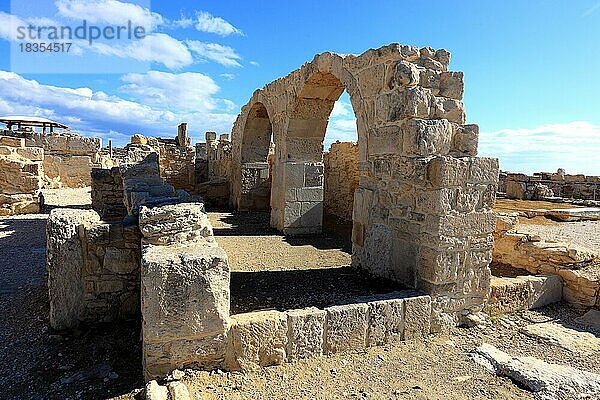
{"points": [[65, 261], [584, 343], [257, 339], [417, 317], [154, 391], [305, 333], [175, 223], [346, 327], [386, 321], [178, 391], [524, 292], [185, 291], [553, 380]]}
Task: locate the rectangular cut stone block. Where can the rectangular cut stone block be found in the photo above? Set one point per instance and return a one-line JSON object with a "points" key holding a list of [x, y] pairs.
{"points": [[386, 321], [293, 174], [524, 292], [305, 333], [313, 175], [346, 327], [185, 291], [12, 141], [174, 223], [385, 140], [451, 171], [423, 137], [417, 317], [257, 339], [312, 214]]}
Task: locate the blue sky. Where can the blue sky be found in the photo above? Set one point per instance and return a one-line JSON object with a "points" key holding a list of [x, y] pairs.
{"points": [[530, 67]]}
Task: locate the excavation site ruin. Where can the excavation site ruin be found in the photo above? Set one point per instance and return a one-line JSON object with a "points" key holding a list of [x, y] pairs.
{"points": [[259, 263]]}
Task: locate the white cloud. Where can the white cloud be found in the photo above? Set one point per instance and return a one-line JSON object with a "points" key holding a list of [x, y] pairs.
{"points": [[223, 55], [227, 76], [205, 22], [573, 146], [156, 47], [342, 123], [96, 113], [186, 91], [255, 63], [111, 12]]}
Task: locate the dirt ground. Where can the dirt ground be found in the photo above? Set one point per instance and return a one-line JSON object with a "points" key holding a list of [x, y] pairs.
{"points": [[104, 361]]}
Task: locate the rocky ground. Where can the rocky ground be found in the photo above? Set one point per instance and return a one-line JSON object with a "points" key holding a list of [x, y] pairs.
{"points": [[104, 361]]}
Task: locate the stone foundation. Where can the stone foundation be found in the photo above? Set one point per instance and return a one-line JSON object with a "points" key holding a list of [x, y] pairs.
{"points": [[543, 184], [341, 179]]}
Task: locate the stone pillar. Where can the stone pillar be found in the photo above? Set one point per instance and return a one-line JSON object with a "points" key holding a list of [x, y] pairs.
{"points": [[185, 290], [183, 139]]}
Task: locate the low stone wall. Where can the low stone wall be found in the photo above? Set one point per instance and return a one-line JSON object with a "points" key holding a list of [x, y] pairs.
{"points": [[93, 268], [578, 267], [543, 184], [21, 176], [341, 179], [266, 338]]}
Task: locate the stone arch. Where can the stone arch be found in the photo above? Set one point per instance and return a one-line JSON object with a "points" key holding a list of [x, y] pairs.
{"points": [[422, 213], [251, 183]]}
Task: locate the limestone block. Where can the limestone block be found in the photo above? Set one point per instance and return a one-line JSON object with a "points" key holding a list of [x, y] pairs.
{"points": [[385, 140], [154, 391], [466, 138], [176, 223], [292, 214], [346, 327], [31, 153], [417, 317], [312, 214], [120, 261], [305, 333], [450, 109], [185, 291], [257, 339], [404, 73], [452, 171], [65, 261], [12, 141], [413, 102], [178, 391], [311, 194], [386, 321], [515, 189], [294, 174], [426, 137], [313, 175], [451, 85]]}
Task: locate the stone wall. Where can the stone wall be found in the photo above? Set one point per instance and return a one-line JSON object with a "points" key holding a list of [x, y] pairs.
{"points": [[215, 188], [341, 179], [577, 266], [543, 184], [93, 268], [107, 194], [177, 165], [69, 159], [21, 176]]}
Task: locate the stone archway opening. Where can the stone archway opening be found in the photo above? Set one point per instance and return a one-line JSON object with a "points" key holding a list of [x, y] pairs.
{"points": [[256, 160], [340, 168]]}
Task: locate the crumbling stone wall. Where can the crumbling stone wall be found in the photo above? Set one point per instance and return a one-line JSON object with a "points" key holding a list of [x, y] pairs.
{"points": [[93, 268], [422, 211], [69, 159], [341, 179], [107, 194], [21, 176], [543, 184], [215, 189]]}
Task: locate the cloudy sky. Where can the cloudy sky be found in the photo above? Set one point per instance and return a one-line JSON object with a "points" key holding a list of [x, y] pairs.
{"points": [[530, 67]]}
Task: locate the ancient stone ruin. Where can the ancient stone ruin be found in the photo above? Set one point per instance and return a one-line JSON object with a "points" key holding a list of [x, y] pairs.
{"points": [[418, 198], [544, 185]]}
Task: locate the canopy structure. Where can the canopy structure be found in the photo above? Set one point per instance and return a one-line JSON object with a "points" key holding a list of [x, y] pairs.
{"points": [[24, 121]]}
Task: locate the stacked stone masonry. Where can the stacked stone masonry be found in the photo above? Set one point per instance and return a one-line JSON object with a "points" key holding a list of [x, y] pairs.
{"points": [[542, 185], [93, 268], [21, 176], [341, 179], [422, 210], [578, 267]]}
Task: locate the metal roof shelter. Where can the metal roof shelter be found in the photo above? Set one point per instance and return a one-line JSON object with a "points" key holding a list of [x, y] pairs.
{"points": [[24, 121]]}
